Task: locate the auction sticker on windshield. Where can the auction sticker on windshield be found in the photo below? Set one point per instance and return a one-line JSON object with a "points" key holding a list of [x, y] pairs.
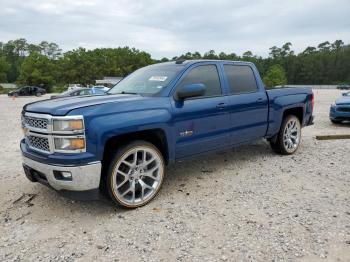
{"points": [[158, 78]]}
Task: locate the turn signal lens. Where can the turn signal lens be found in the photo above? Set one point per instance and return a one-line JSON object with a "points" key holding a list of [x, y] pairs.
{"points": [[69, 144], [76, 124], [78, 143]]}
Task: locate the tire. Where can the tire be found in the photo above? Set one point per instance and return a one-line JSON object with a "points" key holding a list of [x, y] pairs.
{"points": [[335, 121], [289, 136], [134, 181], [38, 94]]}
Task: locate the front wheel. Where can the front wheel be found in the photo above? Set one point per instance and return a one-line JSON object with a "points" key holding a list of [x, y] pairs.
{"points": [[135, 174], [288, 138]]}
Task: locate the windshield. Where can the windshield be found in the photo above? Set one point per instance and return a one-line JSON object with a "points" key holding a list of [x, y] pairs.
{"points": [[147, 80]]}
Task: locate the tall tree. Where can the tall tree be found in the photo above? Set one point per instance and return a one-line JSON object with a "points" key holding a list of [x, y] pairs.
{"points": [[275, 76], [4, 68], [37, 69]]}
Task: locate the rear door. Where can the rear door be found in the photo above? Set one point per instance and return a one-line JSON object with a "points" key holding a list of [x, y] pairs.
{"points": [[202, 123], [248, 103]]}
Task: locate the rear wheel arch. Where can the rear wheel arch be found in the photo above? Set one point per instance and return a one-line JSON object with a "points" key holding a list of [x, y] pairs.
{"points": [[295, 111]]}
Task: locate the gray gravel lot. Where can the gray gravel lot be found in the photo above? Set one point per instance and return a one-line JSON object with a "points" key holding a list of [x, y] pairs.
{"points": [[247, 204]]}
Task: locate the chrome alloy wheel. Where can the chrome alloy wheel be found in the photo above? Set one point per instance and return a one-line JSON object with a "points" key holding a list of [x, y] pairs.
{"points": [[137, 176], [291, 135]]}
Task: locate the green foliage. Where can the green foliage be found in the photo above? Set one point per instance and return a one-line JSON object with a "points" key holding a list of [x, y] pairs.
{"points": [[58, 89], [329, 63], [4, 69], [85, 66], [38, 70], [4, 90], [275, 76], [45, 64]]}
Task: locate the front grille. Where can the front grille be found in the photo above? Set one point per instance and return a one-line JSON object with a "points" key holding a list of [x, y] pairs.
{"points": [[36, 122], [41, 143], [343, 109]]}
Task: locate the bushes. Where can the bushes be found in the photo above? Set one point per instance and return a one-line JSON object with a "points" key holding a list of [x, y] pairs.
{"points": [[275, 76]]}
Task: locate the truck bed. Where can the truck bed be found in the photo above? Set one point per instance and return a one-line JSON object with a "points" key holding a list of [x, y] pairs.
{"points": [[286, 97]]}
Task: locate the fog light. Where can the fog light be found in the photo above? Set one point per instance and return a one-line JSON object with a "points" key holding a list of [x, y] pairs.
{"points": [[63, 175], [66, 174]]}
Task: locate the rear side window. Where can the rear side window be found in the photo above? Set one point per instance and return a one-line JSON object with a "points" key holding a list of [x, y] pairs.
{"points": [[205, 74], [241, 79]]}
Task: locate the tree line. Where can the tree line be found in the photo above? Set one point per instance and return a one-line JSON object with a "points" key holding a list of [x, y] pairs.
{"points": [[45, 64]]}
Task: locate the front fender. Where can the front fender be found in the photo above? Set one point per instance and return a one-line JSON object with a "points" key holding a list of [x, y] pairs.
{"points": [[102, 128]]}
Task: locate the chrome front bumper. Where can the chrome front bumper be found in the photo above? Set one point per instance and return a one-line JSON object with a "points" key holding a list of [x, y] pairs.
{"points": [[86, 177]]}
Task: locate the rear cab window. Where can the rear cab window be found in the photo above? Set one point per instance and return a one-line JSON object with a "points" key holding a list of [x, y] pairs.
{"points": [[241, 79]]}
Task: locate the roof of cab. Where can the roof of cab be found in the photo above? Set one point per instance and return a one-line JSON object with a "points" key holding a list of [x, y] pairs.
{"points": [[190, 62]]}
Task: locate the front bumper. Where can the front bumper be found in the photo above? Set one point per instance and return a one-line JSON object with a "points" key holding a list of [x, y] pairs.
{"points": [[84, 178], [334, 114]]}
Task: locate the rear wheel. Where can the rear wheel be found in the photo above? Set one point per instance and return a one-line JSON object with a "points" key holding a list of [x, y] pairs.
{"points": [[288, 138], [38, 94], [135, 174], [335, 121]]}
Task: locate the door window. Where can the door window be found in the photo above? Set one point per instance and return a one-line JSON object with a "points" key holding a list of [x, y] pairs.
{"points": [[241, 79], [205, 74]]}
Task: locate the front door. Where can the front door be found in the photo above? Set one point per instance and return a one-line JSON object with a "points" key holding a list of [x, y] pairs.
{"points": [[202, 123]]}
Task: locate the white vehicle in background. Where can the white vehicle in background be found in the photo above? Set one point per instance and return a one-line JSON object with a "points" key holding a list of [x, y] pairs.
{"points": [[74, 86], [104, 88]]}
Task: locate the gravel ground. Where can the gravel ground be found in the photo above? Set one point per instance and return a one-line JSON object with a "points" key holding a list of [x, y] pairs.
{"points": [[247, 204]]}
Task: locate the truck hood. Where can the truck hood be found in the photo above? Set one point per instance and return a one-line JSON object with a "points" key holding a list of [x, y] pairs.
{"points": [[62, 106], [343, 101]]}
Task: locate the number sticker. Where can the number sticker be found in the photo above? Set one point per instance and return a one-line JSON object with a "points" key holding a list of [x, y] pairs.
{"points": [[158, 78]]}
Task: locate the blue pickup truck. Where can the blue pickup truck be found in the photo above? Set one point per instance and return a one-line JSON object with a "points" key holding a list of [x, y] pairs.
{"points": [[120, 142]]}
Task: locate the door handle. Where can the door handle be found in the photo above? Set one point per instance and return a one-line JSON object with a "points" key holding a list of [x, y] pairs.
{"points": [[260, 101], [221, 105]]}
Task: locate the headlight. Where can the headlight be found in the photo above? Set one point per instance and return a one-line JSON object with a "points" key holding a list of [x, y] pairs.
{"points": [[69, 143], [68, 125], [333, 104]]}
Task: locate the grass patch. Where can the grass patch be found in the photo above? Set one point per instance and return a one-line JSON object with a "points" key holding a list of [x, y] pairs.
{"points": [[58, 89], [5, 90]]}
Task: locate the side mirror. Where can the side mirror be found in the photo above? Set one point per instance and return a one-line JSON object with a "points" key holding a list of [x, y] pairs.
{"points": [[191, 90]]}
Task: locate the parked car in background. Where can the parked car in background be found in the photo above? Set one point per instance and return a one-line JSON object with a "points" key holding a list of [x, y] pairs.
{"points": [[28, 91], [79, 92], [74, 86], [104, 88], [340, 109], [343, 87], [157, 115]]}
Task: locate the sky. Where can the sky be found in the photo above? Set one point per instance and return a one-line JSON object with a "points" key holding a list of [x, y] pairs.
{"points": [[170, 28]]}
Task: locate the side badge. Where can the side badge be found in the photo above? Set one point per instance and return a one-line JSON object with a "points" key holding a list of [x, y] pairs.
{"points": [[186, 133]]}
